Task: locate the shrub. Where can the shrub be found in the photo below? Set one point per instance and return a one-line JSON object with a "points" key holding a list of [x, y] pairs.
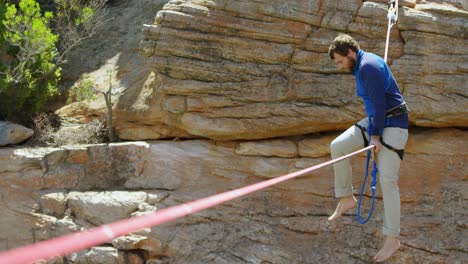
{"points": [[31, 51], [91, 133], [84, 90], [47, 134], [29, 77], [43, 131]]}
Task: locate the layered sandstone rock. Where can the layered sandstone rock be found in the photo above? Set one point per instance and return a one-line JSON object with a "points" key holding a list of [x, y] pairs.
{"points": [[253, 70], [51, 192], [223, 69]]}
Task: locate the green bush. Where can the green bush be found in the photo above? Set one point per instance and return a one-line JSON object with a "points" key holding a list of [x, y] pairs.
{"points": [[29, 74], [3, 55], [2, 16], [84, 90]]}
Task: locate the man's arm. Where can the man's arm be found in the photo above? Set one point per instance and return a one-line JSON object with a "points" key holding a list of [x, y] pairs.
{"points": [[374, 84]]}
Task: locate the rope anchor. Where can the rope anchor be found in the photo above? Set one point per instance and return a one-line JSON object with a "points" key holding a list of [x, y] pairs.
{"points": [[392, 16]]}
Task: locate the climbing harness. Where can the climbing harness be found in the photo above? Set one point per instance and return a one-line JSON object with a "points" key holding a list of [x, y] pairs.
{"points": [[397, 110], [399, 152], [393, 112]]}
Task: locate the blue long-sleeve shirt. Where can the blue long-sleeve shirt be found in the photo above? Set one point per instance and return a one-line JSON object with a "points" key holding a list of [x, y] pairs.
{"points": [[377, 87]]}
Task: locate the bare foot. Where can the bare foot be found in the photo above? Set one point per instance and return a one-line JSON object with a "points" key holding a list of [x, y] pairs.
{"points": [[391, 245], [344, 205]]}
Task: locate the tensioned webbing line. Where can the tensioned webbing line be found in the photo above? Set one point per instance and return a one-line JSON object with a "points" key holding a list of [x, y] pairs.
{"points": [[78, 241]]}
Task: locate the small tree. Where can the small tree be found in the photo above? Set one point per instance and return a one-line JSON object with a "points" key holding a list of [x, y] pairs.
{"points": [[76, 21], [86, 91], [29, 74], [108, 97], [32, 51], [83, 90], [2, 29]]}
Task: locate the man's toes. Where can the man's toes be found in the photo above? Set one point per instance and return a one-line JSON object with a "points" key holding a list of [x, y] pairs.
{"points": [[378, 256], [382, 258], [334, 216]]}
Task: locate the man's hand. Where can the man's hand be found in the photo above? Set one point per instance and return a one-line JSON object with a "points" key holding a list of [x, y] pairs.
{"points": [[375, 140]]}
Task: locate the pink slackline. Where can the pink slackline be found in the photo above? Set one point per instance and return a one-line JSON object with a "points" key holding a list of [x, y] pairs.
{"points": [[79, 241]]}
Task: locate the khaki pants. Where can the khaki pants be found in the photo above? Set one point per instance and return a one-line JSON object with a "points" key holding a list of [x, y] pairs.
{"points": [[388, 164]]}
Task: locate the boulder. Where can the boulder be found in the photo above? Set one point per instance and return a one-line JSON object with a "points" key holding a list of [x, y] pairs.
{"points": [[97, 255], [53, 204], [12, 134], [104, 207]]}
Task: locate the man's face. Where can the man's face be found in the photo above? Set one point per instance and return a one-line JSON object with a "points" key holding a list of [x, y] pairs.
{"points": [[346, 63]]}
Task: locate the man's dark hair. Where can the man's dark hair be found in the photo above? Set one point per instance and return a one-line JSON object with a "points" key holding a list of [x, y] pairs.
{"points": [[341, 45]]}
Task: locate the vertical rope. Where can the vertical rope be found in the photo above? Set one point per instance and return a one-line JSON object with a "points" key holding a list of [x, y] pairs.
{"points": [[392, 16]]}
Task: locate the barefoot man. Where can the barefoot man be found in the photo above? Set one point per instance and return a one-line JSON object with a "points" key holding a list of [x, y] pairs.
{"points": [[388, 129]]}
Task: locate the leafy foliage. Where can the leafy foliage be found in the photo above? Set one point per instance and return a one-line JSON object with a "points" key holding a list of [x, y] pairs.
{"points": [[31, 50], [76, 21], [84, 90], [2, 16], [29, 75]]}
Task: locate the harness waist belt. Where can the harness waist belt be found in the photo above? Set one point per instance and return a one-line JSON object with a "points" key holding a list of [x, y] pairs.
{"points": [[397, 110]]}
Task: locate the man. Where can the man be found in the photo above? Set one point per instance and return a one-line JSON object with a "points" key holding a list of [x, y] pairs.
{"points": [[388, 128]]}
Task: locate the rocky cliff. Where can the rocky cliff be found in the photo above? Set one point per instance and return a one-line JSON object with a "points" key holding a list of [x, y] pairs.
{"points": [[250, 83], [51, 192], [259, 69]]}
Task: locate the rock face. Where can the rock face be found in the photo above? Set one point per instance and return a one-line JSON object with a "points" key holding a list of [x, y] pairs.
{"points": [[51, 192], [226, 70], [11, 134], [230, 71]]}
